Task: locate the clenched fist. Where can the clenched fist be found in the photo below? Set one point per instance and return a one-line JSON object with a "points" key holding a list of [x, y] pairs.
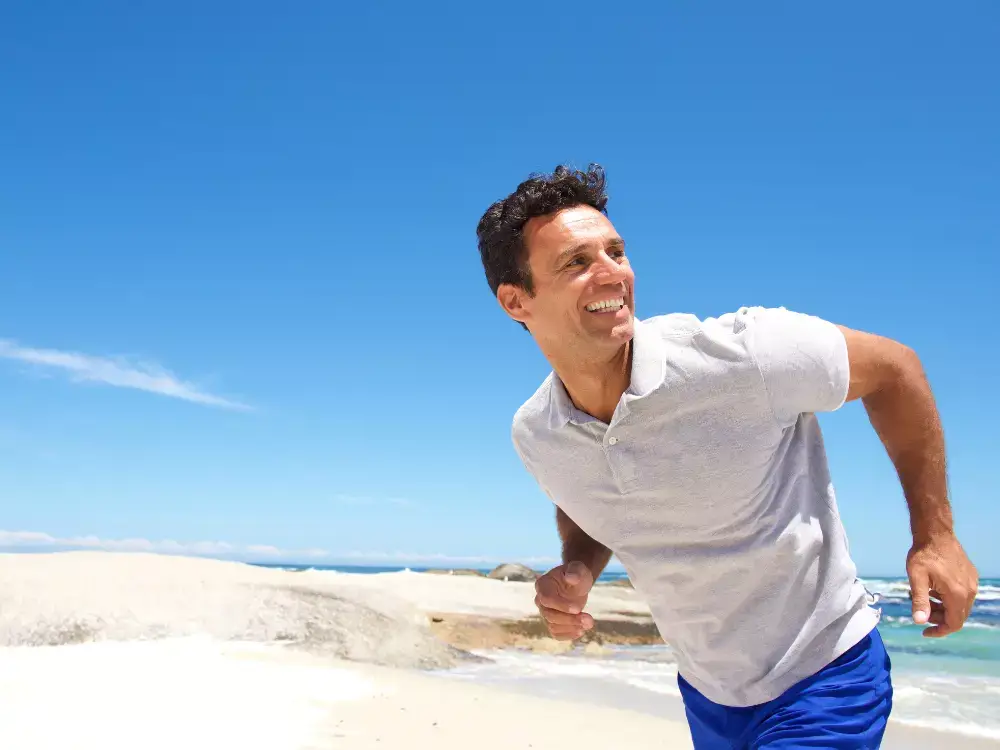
{"points": [[939, 568], [561, 595]]}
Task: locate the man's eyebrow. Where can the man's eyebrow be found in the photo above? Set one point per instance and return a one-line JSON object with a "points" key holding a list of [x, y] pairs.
{"points": [[565, 254], [616, 243]]}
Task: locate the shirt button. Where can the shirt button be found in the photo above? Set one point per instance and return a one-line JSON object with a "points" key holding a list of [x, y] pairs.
{"points": [[613, 440]]}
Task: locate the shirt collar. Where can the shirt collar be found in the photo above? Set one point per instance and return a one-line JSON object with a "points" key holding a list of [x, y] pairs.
{"points": [[649, 360], [648, 365]]}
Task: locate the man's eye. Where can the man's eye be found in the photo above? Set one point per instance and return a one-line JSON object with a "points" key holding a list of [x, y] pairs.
{"points": [[577, 261]]}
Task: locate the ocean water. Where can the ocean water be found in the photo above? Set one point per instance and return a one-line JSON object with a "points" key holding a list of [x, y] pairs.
{"points": [[605, 577], [950, 684]]}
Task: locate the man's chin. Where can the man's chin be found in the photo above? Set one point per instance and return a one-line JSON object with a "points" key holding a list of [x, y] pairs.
{"points": [[625, 331], [625, 323], [619, 333]]}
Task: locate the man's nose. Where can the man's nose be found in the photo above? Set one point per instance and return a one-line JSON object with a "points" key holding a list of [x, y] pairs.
{"points": [[609, 271]]}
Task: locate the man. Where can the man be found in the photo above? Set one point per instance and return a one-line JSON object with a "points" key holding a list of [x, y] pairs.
{"points": [[690, 449]]}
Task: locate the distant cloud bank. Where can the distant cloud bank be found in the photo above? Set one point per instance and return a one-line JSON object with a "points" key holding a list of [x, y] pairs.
{"points": [[21, 540], [36, 541], [117, 372]]}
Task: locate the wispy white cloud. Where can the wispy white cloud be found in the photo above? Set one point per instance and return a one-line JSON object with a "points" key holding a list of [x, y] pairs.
{"points": [[401, 558], [24, 538], [118, 372], [264, 550], [20, 540], [40, 541]]}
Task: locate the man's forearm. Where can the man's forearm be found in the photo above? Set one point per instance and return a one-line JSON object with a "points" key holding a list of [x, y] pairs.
{"points": [[578, 546], [906, 419], [592, 554]]}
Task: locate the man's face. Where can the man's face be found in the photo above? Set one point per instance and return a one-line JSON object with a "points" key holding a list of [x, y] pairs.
{"points": [[583, 284]]}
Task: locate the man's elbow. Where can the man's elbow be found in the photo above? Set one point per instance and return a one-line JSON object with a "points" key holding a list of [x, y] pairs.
{"points": [[906, 364], [901, 371]]}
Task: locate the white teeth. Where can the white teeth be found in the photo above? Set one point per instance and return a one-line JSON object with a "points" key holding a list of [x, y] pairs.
{"points": [[605, 304]]}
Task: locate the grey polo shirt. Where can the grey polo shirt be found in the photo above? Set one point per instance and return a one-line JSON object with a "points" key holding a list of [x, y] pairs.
{"points": [[712, 488]]}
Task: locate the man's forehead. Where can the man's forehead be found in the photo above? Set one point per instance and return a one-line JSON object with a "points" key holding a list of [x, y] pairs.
{"points": [[568, 224]]}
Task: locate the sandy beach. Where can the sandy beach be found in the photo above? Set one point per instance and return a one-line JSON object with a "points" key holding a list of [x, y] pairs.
{"points": [[197, 694], [105, 650]]}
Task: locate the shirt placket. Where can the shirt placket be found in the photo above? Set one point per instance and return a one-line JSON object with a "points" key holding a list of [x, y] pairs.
{"points": [[618, 454]]}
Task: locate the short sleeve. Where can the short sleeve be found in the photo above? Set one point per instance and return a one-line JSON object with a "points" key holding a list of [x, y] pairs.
{"points": [[517, 436], [802, 359]]}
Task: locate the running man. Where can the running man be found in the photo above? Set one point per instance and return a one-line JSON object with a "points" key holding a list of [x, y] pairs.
{"points": [[690, 449]]}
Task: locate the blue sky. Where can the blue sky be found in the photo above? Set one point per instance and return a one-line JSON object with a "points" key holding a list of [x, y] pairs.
{"points": [[241, 307]]}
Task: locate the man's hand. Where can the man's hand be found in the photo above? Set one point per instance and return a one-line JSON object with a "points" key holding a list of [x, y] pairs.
{"points": [[939, 568], [560, 595]]}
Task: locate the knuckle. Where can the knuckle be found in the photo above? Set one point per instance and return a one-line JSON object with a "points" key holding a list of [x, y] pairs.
{"points": [[556, 602], [546, 602]]}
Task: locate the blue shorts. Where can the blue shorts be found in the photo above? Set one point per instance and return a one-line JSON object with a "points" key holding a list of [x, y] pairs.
{"points": [[844, 705]]}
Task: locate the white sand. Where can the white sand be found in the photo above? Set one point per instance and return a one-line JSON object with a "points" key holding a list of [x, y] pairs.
{"points": [[199, 694], [116, 651], [52, 599], [166, 694]]}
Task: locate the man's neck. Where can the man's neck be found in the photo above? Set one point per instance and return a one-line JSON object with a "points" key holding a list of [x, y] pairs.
{"points": [[596, 386]]}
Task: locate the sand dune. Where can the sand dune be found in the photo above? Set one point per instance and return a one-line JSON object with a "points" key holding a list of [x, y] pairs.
{"points": [[76, 597]]}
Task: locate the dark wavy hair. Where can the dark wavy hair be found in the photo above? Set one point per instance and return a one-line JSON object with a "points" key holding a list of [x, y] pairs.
{"points": [[501, 228]]}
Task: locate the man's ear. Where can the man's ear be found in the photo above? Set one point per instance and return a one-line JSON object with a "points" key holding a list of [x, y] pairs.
{"points": [[511, 299]]}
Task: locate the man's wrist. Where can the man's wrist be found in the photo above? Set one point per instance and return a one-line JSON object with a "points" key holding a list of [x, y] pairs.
{"points": [[932, 534], [595, 559], [930, 518]]}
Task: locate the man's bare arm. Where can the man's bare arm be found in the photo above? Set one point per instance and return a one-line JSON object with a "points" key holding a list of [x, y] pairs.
{"points": [[889, 379], [578, 546]]}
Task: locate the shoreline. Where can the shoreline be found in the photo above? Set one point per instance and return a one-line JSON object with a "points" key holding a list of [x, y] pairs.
{"points": [[620, 619], [667, 704]]}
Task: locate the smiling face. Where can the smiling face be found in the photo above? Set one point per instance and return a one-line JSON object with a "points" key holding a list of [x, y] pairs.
{"points": [[582, 285]]}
